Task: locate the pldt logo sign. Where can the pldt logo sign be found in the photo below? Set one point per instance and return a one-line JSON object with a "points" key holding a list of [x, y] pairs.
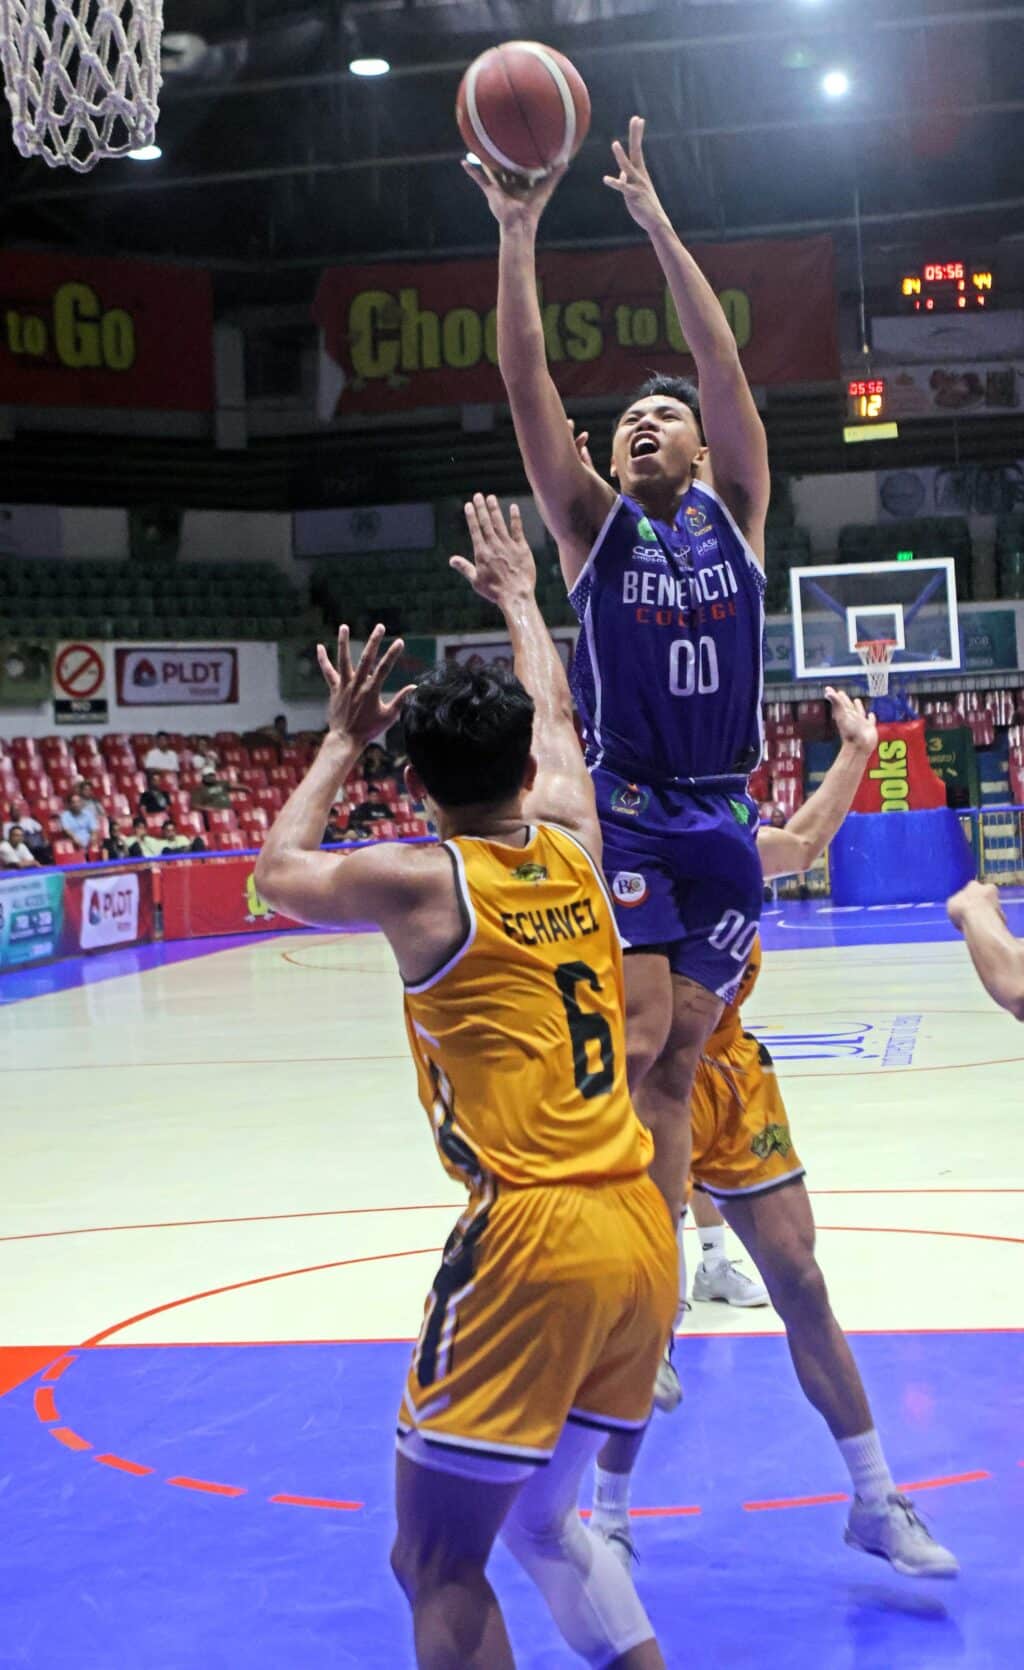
{"points": [[176, 677], [110, 911]]}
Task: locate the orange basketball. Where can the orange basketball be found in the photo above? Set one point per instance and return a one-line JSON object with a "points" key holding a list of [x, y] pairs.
{"points": [[523, 107]]}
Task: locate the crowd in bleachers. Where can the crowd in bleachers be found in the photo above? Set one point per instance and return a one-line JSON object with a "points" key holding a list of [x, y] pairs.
{"points": [[83, 799]]}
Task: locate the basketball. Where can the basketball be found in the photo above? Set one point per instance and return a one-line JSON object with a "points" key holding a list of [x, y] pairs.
{"points": [[523, 107]]}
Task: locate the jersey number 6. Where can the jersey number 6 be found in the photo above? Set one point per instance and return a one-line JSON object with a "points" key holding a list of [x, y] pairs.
{"points": [[586, 1028]]}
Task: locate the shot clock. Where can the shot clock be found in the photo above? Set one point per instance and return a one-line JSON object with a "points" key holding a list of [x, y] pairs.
{"points": [[947, 287], [866, 399]]}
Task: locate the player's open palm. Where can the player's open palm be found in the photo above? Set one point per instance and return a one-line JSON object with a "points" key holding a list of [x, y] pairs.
{"points": [[853, 724], [356, 708], [633, 182], [502, 565]]}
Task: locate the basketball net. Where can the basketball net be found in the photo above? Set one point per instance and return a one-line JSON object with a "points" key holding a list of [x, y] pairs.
{"points": [[877, 654], [82, 77]]}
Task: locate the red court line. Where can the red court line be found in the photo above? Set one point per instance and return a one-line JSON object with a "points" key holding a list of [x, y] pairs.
{"points": [[215, 1061], [253, 1281], [44, 1404], [124, 1466], [316, 1502], [795, 1502], [437, 1206], [260, 1218], [56, 1369], [663, 1513], [207, 1486], [898, 1072], [939, 1484], [70, 1440]]}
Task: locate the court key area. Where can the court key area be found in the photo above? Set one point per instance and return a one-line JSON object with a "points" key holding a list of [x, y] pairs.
{"points": [[223, 1214]]}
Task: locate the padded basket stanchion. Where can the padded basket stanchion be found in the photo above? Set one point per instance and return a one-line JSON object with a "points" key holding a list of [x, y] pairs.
{"points": [[899, 858]]}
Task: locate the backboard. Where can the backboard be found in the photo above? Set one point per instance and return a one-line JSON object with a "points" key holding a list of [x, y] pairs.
{"points": [[911, 603]]}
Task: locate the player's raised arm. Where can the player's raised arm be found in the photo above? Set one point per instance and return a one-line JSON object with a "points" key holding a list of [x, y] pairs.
{"points": [[292, 874], [573, 500], [998, 958], [503, 571], [791, 850], [732, 423]]}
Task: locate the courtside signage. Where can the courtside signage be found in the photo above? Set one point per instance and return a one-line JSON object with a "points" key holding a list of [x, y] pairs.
{"points": [[110, 911], [169, 677]]}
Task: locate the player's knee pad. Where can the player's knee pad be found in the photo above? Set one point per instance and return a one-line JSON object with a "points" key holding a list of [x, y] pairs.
{"points": [[589, 1594]]}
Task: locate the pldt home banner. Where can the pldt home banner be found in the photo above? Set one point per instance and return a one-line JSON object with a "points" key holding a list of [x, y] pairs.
{"points": [[81, 331], [398, 335], [170, 677]]}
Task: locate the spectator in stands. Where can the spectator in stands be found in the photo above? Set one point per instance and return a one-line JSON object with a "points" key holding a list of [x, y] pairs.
{"points": [[214, 794], [175, 839], [376, 764], [153, 799], [32, 829], [80, 822], [771, 812], [15, 853], [204, 759], [117, 842], [161, 757], [335, 830], [143, 844], [363, 817], [89, 800]]}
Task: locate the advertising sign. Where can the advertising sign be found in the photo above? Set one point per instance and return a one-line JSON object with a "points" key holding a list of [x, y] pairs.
{"points": [[107, 908], [496, 651], [170, 677], [215, 896], [31, 917], [401, 335], [79, 330]]}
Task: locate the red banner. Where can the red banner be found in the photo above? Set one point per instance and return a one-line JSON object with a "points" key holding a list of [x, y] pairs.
{"points": [[407, 335], [215, 896], [81, 331], [899, 777]]}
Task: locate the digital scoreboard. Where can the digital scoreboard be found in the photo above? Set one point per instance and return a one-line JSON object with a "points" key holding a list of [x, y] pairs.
{"points": [[947, 287], [866, 399]]}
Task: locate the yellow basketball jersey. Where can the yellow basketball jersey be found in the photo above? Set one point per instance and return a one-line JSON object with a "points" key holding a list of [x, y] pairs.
{"points": [[731, 1024], [519, 1039]]}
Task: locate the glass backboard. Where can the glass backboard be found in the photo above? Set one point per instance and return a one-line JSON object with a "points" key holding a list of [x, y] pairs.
{"points": [[913, 604]]}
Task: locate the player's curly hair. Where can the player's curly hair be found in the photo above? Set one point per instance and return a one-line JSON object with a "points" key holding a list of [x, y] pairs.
{"points": [[674, 388], [468, 733]]}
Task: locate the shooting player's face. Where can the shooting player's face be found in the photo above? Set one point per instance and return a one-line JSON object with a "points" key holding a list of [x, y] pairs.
{"points": [[657, 441]]}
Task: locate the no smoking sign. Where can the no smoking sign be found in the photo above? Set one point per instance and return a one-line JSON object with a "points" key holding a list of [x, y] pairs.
{"points": [[79, 685]]}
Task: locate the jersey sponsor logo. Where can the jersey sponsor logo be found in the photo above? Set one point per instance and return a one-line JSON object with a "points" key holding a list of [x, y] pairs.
{"points": [[630, 888], [629, 798], [530, 872], [696, 521], [741, 812], [645, 529], [647, 553], [774, 1139]]}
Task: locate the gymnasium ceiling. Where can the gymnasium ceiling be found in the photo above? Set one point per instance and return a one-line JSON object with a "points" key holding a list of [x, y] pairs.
{"points": [[278, 162]]}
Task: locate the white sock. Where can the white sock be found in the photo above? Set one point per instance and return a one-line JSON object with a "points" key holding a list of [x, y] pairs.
{"points": [[869, 1470], [683, 1291], [712, 1243], [611, 1499]]}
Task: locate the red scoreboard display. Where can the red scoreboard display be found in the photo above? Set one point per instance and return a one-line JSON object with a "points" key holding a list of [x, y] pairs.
{"points": [[866, 397], [947, 287]]}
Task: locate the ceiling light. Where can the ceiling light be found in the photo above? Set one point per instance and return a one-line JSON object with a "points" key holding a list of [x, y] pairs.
{"points": [[835, 84], [369, 66], [146, 153]]}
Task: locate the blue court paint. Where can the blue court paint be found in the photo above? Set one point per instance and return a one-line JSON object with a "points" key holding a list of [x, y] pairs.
{"points": [[112, 1572], [807, 924]]}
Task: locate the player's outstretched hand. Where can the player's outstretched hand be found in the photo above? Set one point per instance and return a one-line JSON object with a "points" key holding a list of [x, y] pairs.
{"points": [[851, 721], [511, 197], [356, 709], [633, 182], [581, 443], [976, 895], [502, 569]]}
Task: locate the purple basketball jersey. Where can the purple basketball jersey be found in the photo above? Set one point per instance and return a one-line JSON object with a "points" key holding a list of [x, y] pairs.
{"points": [[667, 673]]}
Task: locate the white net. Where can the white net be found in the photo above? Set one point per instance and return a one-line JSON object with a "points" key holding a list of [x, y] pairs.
{"points": [[82, 77], [877, 654]]}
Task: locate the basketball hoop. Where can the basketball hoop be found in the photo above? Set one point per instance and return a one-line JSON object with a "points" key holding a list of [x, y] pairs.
{"points": [[82, 77], [877, 654]]}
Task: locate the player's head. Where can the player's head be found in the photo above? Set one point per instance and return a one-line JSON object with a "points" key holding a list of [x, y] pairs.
{"points": [[659, 439], [468, 732]]}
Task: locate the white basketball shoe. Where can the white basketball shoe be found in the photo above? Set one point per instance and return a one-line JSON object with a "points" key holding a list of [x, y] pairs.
{"points": [[724, 1284], [895, 1532]]}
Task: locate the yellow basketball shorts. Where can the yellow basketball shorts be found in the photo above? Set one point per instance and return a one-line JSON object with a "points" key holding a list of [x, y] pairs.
{"points": [[741, 1138], [552, 1304]]}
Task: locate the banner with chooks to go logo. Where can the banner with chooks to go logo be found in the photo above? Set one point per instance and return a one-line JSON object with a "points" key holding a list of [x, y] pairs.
{"points": [[176, 677]]}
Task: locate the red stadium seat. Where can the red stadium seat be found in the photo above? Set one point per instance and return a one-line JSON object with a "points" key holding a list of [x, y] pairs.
{"points": [[65, 852], [224, 739], [385, 829], [271, 798], [191, 823], [227, 840], [221, 820], [254, 817], [181, 805], [787, 767], [262, 755], [155, 822], [118, 806], [982, 729], [253, 776], [283, 775]]}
